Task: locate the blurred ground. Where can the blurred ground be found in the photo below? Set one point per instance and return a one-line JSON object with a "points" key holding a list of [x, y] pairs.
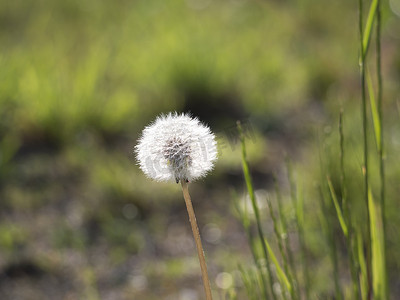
{"points": [[80, 79]]}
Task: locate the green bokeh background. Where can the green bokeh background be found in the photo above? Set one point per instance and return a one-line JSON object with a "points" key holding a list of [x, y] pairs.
{"points": [[79, 80]]}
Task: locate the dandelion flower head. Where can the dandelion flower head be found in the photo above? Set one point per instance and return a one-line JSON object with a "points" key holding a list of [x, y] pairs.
{"points": [[176, 147]]}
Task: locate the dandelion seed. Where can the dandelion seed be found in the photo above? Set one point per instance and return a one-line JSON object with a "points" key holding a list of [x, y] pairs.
{"points": [[176, 147]]}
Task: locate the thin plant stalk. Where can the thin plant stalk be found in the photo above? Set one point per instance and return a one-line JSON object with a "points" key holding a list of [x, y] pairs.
{"points": [[381, 146], [339, 214], [250, 190], [333, 247], [345, 203], [197, 239], [363, 265], [249, 283], [376, 256], [377, 249], [325, 217], [367, 33], [257, 263], [346, 210], [300, 222], [326, 220], [326, 224], [279, 272], [284, 227], [298, 206], [278, 235], [246, 224], [365, 138]]}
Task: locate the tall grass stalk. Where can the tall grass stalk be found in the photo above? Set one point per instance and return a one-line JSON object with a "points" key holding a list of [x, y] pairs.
{"points": [[350, 241], [363, 52], [249, 283], [286, 239], [297, 200], [278, 235], [376, 250], [345, 202], [381, 148], [363, 265], [376, 207], [250, 190], [280, 273], [367, 33], [374, 109], [246, 224], [328, 230], [338, 209]]}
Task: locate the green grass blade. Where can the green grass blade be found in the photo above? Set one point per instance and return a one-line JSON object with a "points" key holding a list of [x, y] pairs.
{"points": [[300, 224], [365, 36], [245, 220], [279, 238], [250, 190], [368, 26], [363, 266], [378, 249], [338, 209], [281, 274], [248, 282], [286, 239], [350, 243], [381, 148], [374, 110], [345, 202], [297, 200], [323, 214], [327, 229]]}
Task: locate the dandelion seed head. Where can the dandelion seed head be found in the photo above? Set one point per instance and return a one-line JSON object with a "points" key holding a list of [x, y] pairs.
{"points": [[176, 147]]}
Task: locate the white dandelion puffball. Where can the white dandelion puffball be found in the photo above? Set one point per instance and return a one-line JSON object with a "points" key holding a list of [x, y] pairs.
{"points": [[176, 147]]}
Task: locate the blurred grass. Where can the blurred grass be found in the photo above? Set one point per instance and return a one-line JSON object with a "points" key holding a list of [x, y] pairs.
{"points": [[79, 80]]}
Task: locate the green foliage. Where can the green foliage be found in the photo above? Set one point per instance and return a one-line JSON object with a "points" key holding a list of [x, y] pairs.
{"points": [[80, 78]]}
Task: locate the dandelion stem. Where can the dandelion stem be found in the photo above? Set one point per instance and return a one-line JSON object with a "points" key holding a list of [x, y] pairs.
{"points": [[197, 239]]}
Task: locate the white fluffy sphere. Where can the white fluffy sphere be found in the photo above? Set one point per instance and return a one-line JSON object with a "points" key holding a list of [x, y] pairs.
{"points": [[176, 147]]}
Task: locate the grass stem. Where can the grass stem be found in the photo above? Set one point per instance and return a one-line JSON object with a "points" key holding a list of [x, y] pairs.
{"points": [[381, 146], [350, 241], [250, 190], [297, 201], [246, 224], [278, 235], [328, 230], [363, 54], [284, 232]]}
